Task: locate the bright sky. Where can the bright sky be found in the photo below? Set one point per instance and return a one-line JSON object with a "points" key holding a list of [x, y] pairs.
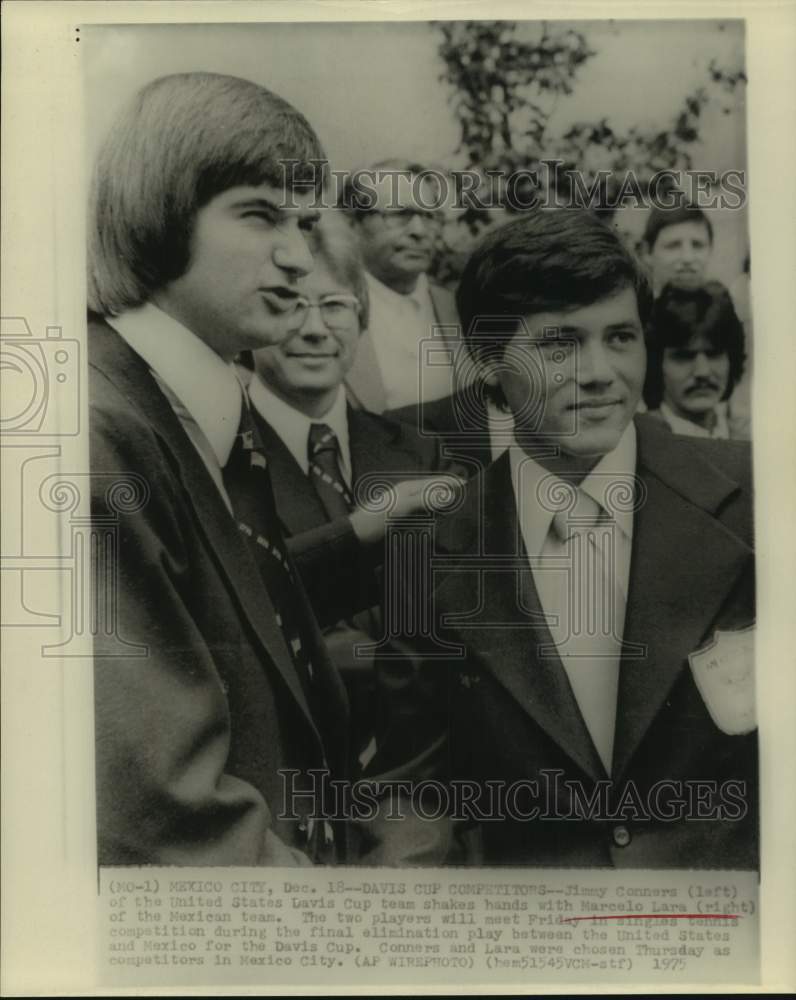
{"points": [[372, 90]]}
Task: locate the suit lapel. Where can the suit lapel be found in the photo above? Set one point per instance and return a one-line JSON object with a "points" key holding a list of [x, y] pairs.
{"points": [[443, 302], [117, 361], [376, 446], [364, 384], [684, 564], [444, 305], [299, 506], [509, 605], [680, 550], [469, 424], [301, 510]]}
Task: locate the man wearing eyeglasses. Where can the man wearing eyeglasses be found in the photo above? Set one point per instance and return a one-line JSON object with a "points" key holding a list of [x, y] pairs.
{"points": [[396, 211], [323, 454]]}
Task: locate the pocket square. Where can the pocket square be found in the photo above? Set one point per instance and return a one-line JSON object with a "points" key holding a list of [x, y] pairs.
{"points": [[725, 676]]}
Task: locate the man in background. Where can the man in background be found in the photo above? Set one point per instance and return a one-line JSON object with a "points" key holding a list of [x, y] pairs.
{"points": [[395, 208], [677, 245], [328, 460], [695, 359]]}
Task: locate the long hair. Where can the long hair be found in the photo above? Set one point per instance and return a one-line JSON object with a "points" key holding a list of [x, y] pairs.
{"points": [[183, 140], [680, 314]]}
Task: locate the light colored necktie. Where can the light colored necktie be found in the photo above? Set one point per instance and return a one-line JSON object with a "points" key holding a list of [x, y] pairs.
{"points": [[590, 611]]}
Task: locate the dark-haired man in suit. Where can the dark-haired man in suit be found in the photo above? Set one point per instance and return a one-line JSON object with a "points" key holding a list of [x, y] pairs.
{"points": [[195, 254], [593, 597]]}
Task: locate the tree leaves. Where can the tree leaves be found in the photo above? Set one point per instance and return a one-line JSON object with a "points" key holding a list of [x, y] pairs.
{"points": [[506, 78]]}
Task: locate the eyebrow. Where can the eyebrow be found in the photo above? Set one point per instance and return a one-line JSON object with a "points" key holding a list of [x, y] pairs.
{"points": [[698, 350], [679, 239], [624, 324], [570, 330]]}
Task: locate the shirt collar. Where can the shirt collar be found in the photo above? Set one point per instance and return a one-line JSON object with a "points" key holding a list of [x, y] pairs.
{"points": [[680, 425], [196, 377], [420, 293], [419, 296], [293, 426], [618, 466]]}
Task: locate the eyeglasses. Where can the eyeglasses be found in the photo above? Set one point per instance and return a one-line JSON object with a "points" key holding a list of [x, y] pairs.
{"points": [[401, 218], [337, 311]]}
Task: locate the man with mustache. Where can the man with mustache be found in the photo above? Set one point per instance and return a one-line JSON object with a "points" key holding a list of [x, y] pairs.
{"points": [[395, 207], [585, 693], [695, 344], [215, 680]]}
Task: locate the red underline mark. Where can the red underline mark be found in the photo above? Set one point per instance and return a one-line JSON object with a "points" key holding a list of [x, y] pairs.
{"points": [[657, 916]]}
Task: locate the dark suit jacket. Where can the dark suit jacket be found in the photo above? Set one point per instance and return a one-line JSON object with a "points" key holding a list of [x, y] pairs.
{"points": [[191, 737], [692, 572], [739, 428], [337, 570], [343, 577], [461, 424], [364, 383]]}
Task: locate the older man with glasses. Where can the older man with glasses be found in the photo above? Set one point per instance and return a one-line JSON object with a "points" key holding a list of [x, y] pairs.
{"points": [[327, 460], [396, 209]]}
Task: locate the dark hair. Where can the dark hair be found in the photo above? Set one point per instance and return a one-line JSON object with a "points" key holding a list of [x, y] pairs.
{"points": [[679, 314], [358, 196], [183, 140], [661, 218], [546, 260]]}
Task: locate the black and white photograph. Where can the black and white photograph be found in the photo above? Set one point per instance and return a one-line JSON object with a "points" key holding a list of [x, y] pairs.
{"points": [[254, 578], [409, 576]]}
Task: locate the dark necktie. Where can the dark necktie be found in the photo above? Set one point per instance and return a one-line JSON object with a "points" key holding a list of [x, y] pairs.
{"points": [[248, 485], [323, 452]]}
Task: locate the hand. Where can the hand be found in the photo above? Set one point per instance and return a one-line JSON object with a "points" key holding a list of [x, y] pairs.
{"points": [[426, 494]]}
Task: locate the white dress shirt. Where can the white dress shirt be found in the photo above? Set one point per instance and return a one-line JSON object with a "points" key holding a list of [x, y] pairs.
{"points": [[594, 682], [679, 425], [397, 326], [202, 389], [293, 426]]}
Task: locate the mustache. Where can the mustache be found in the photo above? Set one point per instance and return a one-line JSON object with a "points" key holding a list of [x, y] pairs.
{"points": [[703, 383]]}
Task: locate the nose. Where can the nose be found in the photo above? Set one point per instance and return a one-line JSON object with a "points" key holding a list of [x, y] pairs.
{"points": [[688, 252], [292, 252], [594, 365], [417, 227], [313, 327], [701, 365]]}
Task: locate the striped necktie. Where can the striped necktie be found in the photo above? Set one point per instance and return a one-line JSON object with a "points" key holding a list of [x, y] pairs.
{"points": [[323, 452], [248, 485]]}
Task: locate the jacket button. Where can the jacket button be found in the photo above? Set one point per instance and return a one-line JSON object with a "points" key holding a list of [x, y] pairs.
{"points": [[621, 836]]}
